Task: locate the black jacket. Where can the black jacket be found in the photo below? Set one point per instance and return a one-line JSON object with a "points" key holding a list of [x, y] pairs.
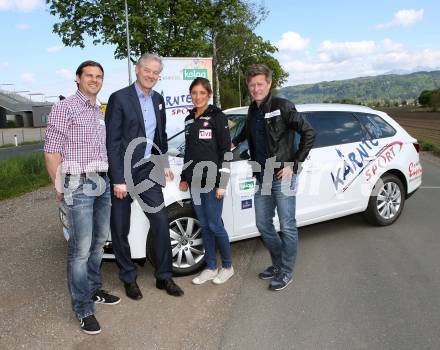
{"points": [[207, 138], [282, 120], [124, 123]]}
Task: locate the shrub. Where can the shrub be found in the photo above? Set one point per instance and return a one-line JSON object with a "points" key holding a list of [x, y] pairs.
{"points": [[22, 174], [10, 124]]}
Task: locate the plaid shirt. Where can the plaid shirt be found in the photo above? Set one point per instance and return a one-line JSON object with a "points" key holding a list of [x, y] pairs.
{"points": [[76, 130]]}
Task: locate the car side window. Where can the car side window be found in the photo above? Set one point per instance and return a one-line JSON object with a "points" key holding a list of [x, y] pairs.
{"points": [[377, 127], [334, 128]]}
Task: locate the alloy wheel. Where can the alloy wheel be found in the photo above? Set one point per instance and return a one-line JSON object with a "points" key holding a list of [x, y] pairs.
{"points": [[186, 242], [389, 200]]}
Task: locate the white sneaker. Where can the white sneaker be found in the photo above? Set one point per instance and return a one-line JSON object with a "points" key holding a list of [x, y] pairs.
{"points": [[206, 275], [223, 275]]}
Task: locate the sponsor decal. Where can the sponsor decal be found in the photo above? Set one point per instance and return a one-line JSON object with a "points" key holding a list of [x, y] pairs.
{"points": [[177, 101], [352, 164], [363, 159], [169, 77], [189, 121], [414, 169], [192, 73], [183, 111], [205, 123], [247, 185], [383, 158], [246, 204], [205, 134]]}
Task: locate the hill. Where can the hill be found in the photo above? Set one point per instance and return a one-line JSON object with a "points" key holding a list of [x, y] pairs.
{"points": [[382, 87]]}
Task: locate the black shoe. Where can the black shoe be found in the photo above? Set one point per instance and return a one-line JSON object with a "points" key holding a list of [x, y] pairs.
{"points": [[269, 273], [171, 287], [90, 325], [102, 297], [280, 282], [132, 290]]}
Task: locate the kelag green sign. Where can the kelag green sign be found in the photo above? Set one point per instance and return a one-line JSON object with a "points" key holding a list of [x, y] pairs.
{"points": [[247, 185], [192, 73]]}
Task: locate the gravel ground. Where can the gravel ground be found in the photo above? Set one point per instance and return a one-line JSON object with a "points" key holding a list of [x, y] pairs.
{"points": [[35, 311]]}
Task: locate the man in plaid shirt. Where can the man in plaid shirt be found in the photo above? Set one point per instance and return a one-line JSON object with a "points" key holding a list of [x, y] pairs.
{"points": [[76, 160]]}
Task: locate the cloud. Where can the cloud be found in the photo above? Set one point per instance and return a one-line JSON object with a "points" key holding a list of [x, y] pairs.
{"points": [[291, 41], [22, 26], [4, 64], [345, 60], [65, 73], [28, 77], [54, 49], [20, 5], [341, 51], [403, 18]]}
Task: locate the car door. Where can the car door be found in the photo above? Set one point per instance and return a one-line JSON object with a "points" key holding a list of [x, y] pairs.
{"points": [[331, 184], [242, 185]]}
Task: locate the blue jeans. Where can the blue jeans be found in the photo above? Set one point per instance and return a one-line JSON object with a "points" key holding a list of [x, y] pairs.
{"points": [[88, 212], [282, 246], [209, 213]]}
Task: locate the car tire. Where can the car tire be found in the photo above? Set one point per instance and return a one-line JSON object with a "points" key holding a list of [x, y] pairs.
{"points": [[386, 201], [186, 241]]}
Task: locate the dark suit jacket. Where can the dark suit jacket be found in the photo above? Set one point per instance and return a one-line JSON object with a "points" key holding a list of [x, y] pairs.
{"points": [[124, 122]]}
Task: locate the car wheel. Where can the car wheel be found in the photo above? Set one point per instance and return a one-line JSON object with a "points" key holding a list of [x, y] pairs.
{"points": [[186, 241], [386, 201]]}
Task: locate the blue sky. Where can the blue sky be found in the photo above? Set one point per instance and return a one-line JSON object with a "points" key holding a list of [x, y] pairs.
{"points": [[317, 40]]}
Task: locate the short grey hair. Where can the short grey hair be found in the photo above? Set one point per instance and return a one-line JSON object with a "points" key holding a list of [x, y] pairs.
{"points": [[258, 69], [150, 57]]}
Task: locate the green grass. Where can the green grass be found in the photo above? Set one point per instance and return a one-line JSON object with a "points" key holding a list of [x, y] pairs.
{"points": [[430, 146], [30, 143], [22, 174], [9, 145]]}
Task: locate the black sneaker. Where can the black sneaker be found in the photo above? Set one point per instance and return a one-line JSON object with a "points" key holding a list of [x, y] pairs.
{"points": [[102, 297], [269, 273], [280, 282], [90, 325]]}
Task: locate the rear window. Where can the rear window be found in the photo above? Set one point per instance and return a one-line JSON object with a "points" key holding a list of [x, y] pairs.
{"points": [[334, 128], [377, 127]]}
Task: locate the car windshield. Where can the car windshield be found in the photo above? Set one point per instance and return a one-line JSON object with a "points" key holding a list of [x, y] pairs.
{"points": [[176, 144]]}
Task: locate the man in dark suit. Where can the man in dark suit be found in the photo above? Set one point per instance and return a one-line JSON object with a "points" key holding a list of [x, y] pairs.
{"points": [[138, 111]]}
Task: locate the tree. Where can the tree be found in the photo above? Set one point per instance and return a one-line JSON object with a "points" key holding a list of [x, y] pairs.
{"points": [[230, 25], [241, 47], [171, 28], [425, 98], [158, 26], [435, 100]]}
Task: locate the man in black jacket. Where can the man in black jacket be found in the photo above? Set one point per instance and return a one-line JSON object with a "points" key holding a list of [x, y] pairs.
{"points": [[270, 130], [135, 113]]}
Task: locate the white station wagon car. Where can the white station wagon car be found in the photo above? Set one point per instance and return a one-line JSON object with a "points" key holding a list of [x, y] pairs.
{"points": [[362, 162]]}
